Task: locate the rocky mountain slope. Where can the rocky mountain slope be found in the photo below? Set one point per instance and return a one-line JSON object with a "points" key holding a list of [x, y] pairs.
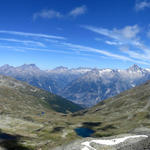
{"points": [[120, 114], [29, 116], [128, 113], [85, 86], [19, 97], [132, 141]]}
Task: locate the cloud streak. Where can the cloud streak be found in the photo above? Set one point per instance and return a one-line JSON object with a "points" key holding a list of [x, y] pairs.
{"points": [[141, 5], [78, 11], [24, 49], [128, 36], [113, 43], [26, 42], [32, 35], [103, 52], [51, 14], [47, 14], [127, 33], [119, 37]]}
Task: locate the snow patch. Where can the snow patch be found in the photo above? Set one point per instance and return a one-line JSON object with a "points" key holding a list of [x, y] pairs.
{"points": [[133, 85], [33, 90], [85, 148], [109, 142], [50, 88], [147, 69]]}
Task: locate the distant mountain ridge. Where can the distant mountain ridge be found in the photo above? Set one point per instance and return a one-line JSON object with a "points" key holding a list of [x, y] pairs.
{"points": [[85, 86]]}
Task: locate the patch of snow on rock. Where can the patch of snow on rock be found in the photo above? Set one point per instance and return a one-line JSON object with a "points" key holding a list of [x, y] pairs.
{"points": [[109, 142]]}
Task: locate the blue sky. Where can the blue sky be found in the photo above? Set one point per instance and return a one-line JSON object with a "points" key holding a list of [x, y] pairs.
{"points": [[75, 33]]}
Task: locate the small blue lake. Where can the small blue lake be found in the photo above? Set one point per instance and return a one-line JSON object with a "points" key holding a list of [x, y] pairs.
{"points": [[4, 136], [84, 132]]}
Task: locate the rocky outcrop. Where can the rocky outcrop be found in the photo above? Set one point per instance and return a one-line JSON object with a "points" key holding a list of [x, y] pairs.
{"points": [[137, 140]]}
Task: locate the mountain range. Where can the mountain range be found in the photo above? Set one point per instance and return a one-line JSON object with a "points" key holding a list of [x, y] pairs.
{"points": [[84, 86], [32, 118]]}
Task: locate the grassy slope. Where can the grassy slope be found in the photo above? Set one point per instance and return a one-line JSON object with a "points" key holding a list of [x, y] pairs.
{"points": [[120, 114], [21, 107], [18, 96]]}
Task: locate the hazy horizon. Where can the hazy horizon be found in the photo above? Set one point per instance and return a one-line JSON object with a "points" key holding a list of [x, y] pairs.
{"points": [[69, 67]]}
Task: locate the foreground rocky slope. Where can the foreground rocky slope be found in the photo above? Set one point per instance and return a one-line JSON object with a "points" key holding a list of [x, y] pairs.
{"points": [[136, 141], [72, 83], [29, 116], [120, 114]]}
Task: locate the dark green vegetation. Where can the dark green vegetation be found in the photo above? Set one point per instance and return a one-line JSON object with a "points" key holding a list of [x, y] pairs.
{"points": [[40, 119]]}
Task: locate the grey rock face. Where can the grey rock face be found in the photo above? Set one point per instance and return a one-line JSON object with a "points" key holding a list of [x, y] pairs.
{"points": [[136, 141]]}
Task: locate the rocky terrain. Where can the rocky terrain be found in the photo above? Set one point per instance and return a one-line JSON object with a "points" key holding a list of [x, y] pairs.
{"points": [[29, 116], [122, 114], [132, 141]]}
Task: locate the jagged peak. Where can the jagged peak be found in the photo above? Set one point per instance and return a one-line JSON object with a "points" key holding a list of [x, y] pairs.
{"points": [[60, 68], [135, 68], [6, 67], [28, 66]]}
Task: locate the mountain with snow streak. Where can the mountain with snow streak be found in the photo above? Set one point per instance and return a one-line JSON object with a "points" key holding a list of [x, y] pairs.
{"points": [[85, 86]]}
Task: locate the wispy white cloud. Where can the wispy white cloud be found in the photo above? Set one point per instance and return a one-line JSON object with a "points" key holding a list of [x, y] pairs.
{"points": [[11, 48], [148, 34], [141, 5], [128, 36], [103, 52], [127, 33], [50, 14], [78, 11], [117, 37], [25, 49], [109, 42], [26, 42], [86, 57], [47, 14], [32, 35], [136, 55], [113, 43]]}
